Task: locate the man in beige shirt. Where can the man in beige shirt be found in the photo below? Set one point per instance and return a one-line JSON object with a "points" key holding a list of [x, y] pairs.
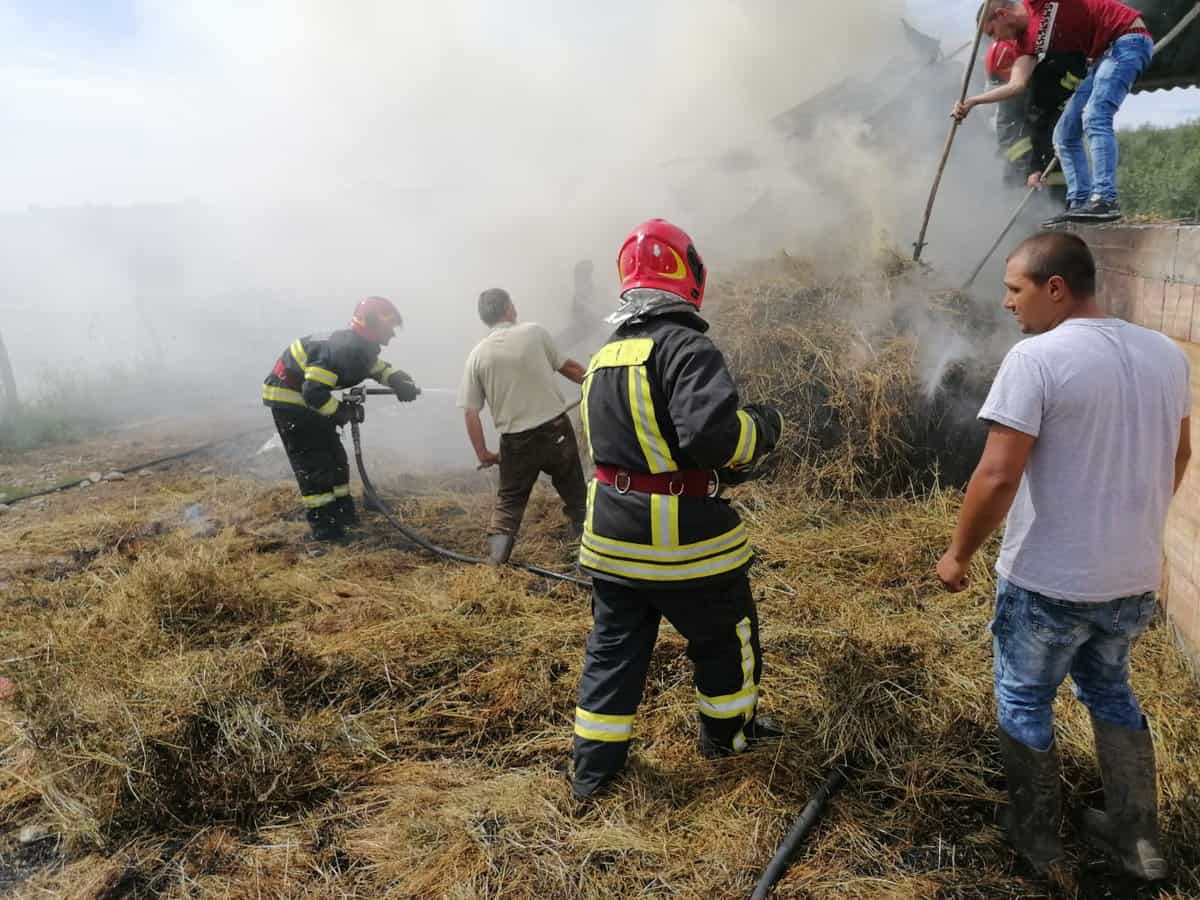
{"points": [[512, 370]]}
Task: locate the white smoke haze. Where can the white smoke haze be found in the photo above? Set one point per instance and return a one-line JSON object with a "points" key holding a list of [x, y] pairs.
{"points": [[254, 169]]}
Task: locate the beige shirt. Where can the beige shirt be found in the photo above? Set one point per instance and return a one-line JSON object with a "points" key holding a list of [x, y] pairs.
{"points": [[514, 370]]}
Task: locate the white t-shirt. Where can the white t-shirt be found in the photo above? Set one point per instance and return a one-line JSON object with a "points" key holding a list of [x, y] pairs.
{"points": [[514, 370], [1104, 398]]}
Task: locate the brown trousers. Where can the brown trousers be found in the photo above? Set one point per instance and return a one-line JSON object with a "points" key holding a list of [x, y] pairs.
{"points": [[549, 448]]}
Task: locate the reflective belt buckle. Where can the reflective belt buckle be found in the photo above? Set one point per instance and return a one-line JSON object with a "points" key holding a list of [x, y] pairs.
{"points": [[714, 484], [621, 489]]}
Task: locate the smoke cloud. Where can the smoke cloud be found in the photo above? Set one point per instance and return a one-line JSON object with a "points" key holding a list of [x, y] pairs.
{"points": [[192, 185]]}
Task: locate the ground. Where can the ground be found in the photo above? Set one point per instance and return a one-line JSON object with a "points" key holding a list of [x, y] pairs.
{"points": [[205, 708]]}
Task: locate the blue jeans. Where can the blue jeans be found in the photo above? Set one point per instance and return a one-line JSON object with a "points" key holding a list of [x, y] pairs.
{"points": [[1038, 641], [1090, 111]]}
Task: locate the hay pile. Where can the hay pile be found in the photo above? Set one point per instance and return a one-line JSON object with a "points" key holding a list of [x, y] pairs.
{"points": [[878, 377], [208, 711]]}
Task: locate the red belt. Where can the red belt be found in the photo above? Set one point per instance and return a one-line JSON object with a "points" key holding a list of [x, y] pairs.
{"points": [[684, 483], [1139, 30]]}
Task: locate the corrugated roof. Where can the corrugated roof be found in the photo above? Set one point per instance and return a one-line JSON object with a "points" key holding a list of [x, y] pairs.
{"points": [[1178, 65]]}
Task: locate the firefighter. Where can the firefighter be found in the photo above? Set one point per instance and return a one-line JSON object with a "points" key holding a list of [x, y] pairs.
{"points": [[661, 414], [1011, 141], [299, 392]]}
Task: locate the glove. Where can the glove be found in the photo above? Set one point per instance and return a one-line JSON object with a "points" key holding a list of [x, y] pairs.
{"points": [[349, 412], [402, 384], [769, 422]]}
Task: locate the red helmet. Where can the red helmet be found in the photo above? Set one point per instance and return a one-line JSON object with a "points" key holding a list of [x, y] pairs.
{"points": [[658, 255], [999, 60], [376, 319]]}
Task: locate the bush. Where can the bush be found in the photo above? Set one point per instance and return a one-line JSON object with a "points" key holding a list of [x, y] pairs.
{"points": [[1159, 171]]}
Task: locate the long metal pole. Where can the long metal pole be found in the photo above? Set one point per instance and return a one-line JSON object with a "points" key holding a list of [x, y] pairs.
{"points": [[937, 180], [1160, 45]]}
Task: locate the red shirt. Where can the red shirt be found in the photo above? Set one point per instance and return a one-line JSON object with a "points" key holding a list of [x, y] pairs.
{"points": [[1074, 26]]}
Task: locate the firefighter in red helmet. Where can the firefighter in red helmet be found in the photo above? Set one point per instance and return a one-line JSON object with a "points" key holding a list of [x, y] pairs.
{"points": [[662, 416], [299, 392]]}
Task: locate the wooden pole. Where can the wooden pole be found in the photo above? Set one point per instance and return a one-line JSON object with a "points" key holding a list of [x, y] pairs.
{"points": [[8, 385], [1183, 23], [937, 180], [1050, 167]]}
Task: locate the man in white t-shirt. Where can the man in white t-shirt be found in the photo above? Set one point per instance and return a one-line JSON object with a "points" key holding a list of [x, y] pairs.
{"points": [[1088, 439], [514, 371]]}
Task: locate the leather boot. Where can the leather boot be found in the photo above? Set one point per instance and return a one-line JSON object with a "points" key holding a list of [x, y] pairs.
{"points": [[1128, 828], [346, 512], [500, 548], [758, 730], [1034, 802]]}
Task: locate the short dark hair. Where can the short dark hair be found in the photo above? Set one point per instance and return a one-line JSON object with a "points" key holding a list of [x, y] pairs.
{"points": [[493, 304], [1062, 254]]}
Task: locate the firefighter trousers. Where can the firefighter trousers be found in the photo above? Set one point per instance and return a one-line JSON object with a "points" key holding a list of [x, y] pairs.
{"points": [[314, 448], [720, 625]]}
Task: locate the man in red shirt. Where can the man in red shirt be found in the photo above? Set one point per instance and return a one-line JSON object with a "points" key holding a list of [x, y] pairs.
{"points": [[1115, 38]]}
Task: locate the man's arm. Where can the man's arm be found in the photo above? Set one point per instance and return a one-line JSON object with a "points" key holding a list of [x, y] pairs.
{"points": [[475, 432], [1183, 453], [989, 495], [1022, 71], [573, 371]]}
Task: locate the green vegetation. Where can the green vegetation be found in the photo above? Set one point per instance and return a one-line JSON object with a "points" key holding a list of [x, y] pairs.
{"points": [[1159, 171]]}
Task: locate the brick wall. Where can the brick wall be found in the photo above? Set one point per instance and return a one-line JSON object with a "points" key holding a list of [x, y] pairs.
{"points": [[1150, 274]]}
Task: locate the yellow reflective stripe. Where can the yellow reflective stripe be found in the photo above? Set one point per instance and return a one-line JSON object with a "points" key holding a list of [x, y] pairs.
{"points": [[1019, 148], [321, 376], [646, 571], [341, 490], [677, 553], [299, 353], [641, 406], [664, 521], [591, 505], [631, 352], [728, 706], [599, 727], [747, 443], [743, 633], [1071, 81], [329, 407], [282, 395], [583, 414], [312, 501]]}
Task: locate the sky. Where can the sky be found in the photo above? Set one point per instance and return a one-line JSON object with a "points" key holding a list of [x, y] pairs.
{"points": [[112, 101]]}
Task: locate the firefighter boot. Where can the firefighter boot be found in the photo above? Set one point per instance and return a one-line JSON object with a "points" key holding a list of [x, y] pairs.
{"points": [[1034, 802], [325, 524], [500, 548], [347, 514], [756, 731], [1128, 827]]}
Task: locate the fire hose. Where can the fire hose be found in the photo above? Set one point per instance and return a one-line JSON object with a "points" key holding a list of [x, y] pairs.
{"points": [[1183, 23], [797, 833], [358, 396]]}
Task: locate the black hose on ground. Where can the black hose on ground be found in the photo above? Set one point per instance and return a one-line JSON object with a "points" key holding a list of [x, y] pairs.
{"points": [[799, 830], [162, 460], [426, 545]]}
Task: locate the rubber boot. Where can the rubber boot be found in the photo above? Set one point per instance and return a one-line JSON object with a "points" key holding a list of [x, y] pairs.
{"points": [[1128, 828], [500, 548], [347, 514], [325, 524], [1034, 802], [758, 730]]}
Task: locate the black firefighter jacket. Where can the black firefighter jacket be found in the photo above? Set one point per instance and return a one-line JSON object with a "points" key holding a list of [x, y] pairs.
{"points": [[308, 371], [659, 398]]}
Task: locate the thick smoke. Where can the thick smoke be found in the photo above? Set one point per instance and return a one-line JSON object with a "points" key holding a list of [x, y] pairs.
{"points": [[233, 175]]}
